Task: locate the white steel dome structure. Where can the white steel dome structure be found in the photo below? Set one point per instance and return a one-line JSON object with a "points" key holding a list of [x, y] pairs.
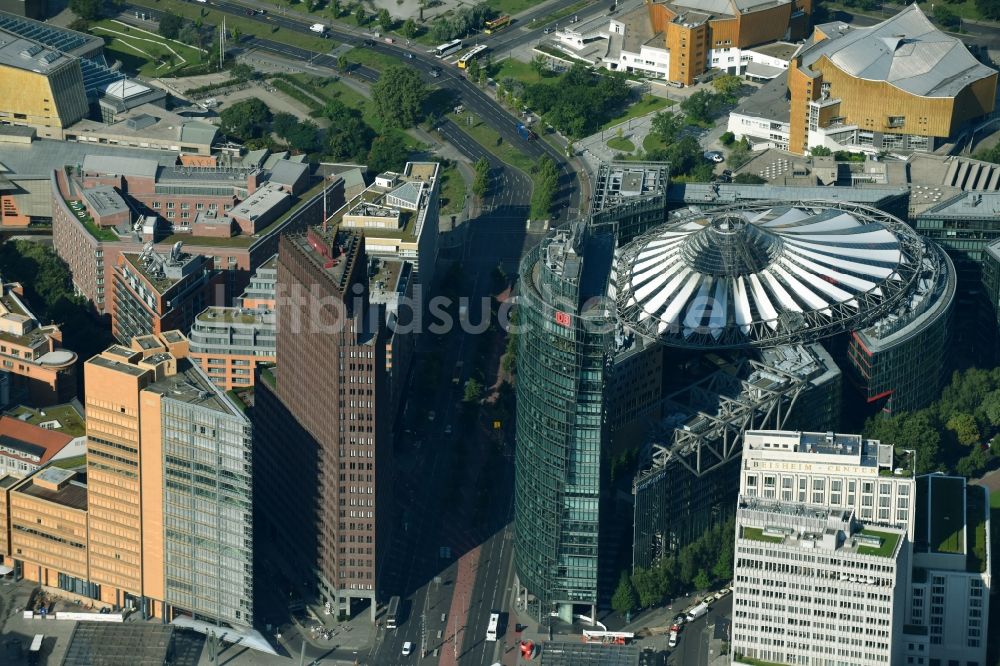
{"points": [[768, 274]]}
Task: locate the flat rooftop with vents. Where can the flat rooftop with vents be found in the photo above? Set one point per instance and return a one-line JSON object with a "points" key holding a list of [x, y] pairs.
{"points": [[57, 485]]}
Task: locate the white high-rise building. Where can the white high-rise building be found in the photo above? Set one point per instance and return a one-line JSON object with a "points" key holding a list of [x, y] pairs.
{"points": [[948, 609], [824, 529]]}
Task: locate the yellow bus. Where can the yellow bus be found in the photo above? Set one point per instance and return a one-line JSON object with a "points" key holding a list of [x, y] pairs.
{"points": [[476, 51], [497, 24]]}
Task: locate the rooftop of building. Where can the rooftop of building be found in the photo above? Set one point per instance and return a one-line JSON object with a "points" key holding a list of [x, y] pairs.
{"points": [[905, 50], [730, 193], [133, 644], [104, 200], [227, 315], [814, 527], [30, 442], [260, 202], [384, 274], [618, 181], [638, 29], [966, 205], [121, 165], [66, 418], [589, 654], [286, 172], [950, 519], [769, 102], [190, 386], [8, 480], [43, 156], [29, 55], [717, 8], [63, 39], [149, 121], [332, 250], [163, 270], [57, 485], [779, 50]]}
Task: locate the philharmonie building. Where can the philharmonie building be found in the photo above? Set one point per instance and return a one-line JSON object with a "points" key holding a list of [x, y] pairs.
{"points": [[659, 334]]}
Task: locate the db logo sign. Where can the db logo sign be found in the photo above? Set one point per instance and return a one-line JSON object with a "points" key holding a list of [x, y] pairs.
{"points": [[562, 318]]}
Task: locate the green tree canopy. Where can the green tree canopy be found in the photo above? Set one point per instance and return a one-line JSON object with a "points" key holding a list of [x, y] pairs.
{"points": [[667, 125], [385, 19], [348, 137], [749, 179], [246, 119], [964, 426], [546, 186], [481, 181], [399, 96], [170, 25], [388, 153], [473, 390], [86, 9], [625, 599], [409, 28]]}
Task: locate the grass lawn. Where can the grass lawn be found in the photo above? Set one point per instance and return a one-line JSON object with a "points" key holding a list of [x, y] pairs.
{"points": [[621, 144], [487, 137], [511, 6], [240, 22], [653, 142], [369, 58], [887, 547], [757, 534], [453, 189], [515, 69], [566, 11], [648, 104], [976, 534], [70, 463], [948, 501], [145, 52]]}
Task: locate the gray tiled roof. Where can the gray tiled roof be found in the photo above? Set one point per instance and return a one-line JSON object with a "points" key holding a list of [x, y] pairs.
{"points": [[906, 51], [125, 166]]}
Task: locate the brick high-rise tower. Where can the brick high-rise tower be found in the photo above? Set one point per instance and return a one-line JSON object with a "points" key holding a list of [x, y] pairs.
{"points": [[324, 420]]}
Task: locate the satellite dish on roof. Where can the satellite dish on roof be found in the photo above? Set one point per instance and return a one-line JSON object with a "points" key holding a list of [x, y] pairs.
{"points": [[175, 251]]}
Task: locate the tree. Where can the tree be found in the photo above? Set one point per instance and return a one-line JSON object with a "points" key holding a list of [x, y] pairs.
{"points": [[481, 182], [702, 106], [242, 71], [247, 119], [546, 186], [86, 9], [728, 85], [727, 138], [348, 137], [946, 17], [625, 599], [399, 96], [820, 151], [170, 25], [739, 154], [190, 34], [473, 391], [385, 20], [748, 179], [283, 123], [335, 8], [974, 464], [342, 63], [360, 16], [964, 426], [666, 125], [702, 581], [388, 153], [472, 70], [539, 64], [409, 29]]}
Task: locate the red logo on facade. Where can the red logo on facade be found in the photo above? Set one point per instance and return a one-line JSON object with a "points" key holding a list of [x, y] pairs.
{"points": [[562, 318]]}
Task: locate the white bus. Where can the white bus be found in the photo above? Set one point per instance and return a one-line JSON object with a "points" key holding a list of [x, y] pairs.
{"points": [[447, 47], [476, 51], [494, 626], [35, 651], [392, 614]]}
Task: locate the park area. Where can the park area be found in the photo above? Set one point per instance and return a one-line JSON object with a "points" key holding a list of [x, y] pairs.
{"points": [[145, 52]]}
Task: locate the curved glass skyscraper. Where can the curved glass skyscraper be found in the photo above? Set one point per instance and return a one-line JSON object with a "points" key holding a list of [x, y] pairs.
{"points": [[566, 327]]}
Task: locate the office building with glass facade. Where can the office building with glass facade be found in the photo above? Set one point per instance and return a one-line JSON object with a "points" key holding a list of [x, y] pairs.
{"points": [[563, 356]]}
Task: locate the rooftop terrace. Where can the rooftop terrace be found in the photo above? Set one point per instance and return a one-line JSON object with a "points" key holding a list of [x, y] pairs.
{"points": [[63, 418]]}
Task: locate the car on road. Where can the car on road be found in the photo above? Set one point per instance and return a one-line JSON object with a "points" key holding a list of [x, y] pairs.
{"points": [[408, 55], [547, 31], [680, 619], [261, 12], [675, 631], [714, 156], [407, 648], [436, 72], [727, 172], [447, 429], [431, 415], [250, 12]]}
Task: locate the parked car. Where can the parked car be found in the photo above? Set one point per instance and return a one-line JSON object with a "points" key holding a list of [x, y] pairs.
{"points": [[407, 648], [714, 156], [547, 31]]}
